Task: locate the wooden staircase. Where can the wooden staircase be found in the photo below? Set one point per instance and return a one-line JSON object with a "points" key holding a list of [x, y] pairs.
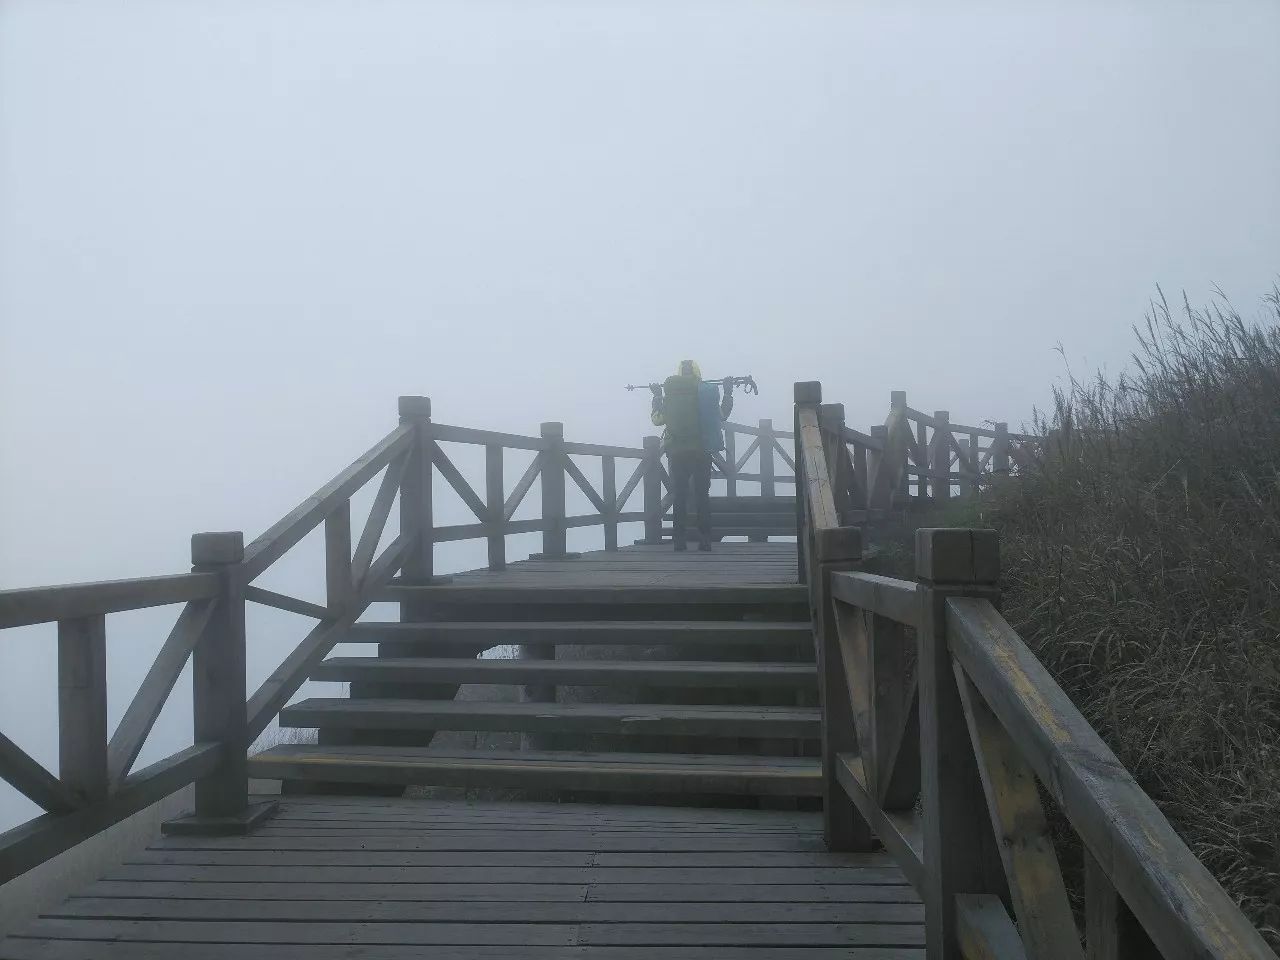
{"points": [[706, 689]]}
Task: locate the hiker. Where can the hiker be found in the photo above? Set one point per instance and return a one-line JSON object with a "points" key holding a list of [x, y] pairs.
{"points": [[693, 414]]}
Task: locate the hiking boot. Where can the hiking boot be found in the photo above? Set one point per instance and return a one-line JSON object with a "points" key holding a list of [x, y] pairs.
{"points": [[705, 546], [681, 546]]}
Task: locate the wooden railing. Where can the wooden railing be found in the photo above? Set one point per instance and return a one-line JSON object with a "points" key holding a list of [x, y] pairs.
{"points": [[767, 445], [96, 785], [940, 729]]}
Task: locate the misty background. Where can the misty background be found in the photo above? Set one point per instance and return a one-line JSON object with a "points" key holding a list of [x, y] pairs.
{"points": [[232, 234]]}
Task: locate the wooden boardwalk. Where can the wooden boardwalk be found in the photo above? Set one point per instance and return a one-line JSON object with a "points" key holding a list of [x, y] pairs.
{"points": [[345, 877]]}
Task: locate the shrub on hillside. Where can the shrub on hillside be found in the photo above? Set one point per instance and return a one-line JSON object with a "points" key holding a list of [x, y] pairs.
{"points": [[1142, 565]]}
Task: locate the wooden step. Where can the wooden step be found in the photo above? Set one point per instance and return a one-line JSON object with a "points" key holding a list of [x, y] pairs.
{"points": [[612, 633], [542, 770], [602, 718], [567, 672], [559, 589]]}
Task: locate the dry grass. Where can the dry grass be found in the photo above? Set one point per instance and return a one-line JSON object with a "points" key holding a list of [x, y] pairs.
{"points": [[1142, 564]]}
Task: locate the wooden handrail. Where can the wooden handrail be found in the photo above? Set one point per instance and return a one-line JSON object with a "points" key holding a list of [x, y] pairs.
{"points": [[1181, 906], [31, 605]]}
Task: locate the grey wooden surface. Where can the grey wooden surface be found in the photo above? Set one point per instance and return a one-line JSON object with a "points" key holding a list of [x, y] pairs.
{"points": [[376, 877]]}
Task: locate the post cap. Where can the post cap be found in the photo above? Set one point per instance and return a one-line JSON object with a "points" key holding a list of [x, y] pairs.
{"points": [[217, 548], [552, 428], [898, 398], [808, 391], [879, 430], [943, 415], [652, 442], [838, 544], [415, 408], [958, 555], [831, 411]]}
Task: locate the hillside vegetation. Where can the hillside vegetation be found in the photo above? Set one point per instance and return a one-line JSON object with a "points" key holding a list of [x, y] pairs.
{"points": [[1142, 564]]}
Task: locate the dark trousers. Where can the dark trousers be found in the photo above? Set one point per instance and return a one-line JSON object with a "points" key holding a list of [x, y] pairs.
{"points": [[686, 469]]}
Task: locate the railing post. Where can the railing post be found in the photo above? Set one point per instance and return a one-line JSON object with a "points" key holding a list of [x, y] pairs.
{"points": [[652, 485], [1000, 455], [831, 417], [337, 556], [415, 492], [495, 500], [806, 393], [731, 462], [875, 463], [609, 494], [843, 826], [768, 487], [898, 404], [960, 852], [82, 706], [554, 539], [219, 696], [940, 458]]}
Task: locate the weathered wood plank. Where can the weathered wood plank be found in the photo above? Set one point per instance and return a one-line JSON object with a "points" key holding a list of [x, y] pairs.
{"points": [[1040, 902], [305, 517], [82, 706], [984, 929], [1174, 896], [33, 781], [19, 608], [281, 601], [376, 522], [901, 833], [886, 596]]}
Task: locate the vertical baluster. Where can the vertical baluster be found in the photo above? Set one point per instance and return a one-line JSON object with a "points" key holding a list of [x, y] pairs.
{"points": [[860, 492], [940, 466], [652, 487], [960, 853], [898, 406], [82, 705], [337, 556], [768, 486], [415, 493], [973, 486], [495, 501], [1000, 455], [554, 540], [731, 462], [875, 463], [609, 494], [1111, 931]]}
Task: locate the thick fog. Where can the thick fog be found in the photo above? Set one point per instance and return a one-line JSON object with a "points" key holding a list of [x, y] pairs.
{"points": [[232, 233]]}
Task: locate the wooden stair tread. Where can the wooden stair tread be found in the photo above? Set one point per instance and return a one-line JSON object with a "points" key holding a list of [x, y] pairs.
{"points": [[612, 718], [605, 632], [653, 672], [555, 588], [569, 770]]}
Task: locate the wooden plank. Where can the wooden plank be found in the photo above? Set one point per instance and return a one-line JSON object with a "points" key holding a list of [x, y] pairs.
{"points": [[984, 929], [603, 450], [686, 720], [305, 517], [687, 892], [574, 632], [820, 498], [656, 773], [375, 524], [899, 787], [24, 949], [565, 591], [1173, 895], [601, 879], [888, 597], [19, 608], [494, 480], [609, 496], [629, 487], [522, 488], [241, 911], [132, 731], [1111, 930], [82, 706], [648, 848], [337, 556], [512, 441], [33, 781], [1040, 902], [641, 672], [44, 837], [901, 833], [281, 601], [584, 485], [493, 932]]}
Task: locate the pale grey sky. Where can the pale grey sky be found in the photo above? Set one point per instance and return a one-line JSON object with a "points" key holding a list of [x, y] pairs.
{"points": [[232, 233]]}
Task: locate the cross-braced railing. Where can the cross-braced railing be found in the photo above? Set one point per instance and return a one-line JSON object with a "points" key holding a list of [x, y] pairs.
{"points": [[940, 733]]}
